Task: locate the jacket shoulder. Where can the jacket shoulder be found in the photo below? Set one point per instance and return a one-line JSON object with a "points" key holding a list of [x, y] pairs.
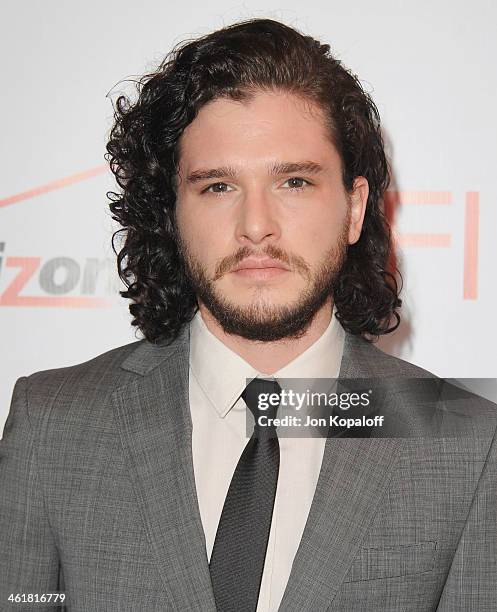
{"points": [[453, 401], [363, 358], [108, 359], [100, 373]]}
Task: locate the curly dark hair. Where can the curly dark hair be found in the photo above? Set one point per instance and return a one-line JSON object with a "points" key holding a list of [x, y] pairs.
{"points": [[143, 153]]}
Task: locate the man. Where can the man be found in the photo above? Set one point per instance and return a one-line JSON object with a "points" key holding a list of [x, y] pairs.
{"points": [[252, 173]]}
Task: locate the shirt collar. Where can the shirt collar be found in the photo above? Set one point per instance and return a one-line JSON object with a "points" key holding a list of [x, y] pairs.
{"points": [[222, 373]]}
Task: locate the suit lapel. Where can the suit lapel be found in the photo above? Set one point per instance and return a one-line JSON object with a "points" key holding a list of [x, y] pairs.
{"points": [[154, 423], [353, 478]]}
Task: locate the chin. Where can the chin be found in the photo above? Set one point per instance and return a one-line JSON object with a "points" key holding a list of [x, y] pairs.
{"points": [[277, 293], [266, 304]]}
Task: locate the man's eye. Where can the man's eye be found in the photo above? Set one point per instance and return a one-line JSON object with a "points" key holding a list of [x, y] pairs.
{"points": [[214, 189], [298, 180]]}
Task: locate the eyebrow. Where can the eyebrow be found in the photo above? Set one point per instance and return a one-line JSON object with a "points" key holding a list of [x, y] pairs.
{"points": [[309, 167]]}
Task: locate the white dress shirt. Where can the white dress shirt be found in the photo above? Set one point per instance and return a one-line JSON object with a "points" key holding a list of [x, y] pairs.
{"points": [[217, 379]]}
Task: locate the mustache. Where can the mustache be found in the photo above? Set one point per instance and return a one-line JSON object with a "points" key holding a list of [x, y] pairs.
{"points": [[228, 263]]}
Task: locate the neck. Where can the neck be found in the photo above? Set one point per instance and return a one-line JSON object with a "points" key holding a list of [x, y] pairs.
{"points": [[269, 357]]}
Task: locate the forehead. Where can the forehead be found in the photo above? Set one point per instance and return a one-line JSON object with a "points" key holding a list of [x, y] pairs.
{"points": [[277, 125]]}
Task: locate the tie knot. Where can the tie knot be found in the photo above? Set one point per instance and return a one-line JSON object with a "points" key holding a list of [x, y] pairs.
{"points": [[262, 397]]}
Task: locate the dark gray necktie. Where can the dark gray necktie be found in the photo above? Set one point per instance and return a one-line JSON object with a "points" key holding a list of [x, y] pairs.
{"points": [[237, 559]]}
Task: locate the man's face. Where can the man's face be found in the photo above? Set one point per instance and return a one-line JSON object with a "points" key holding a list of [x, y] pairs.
{"points": [[240, 200]]}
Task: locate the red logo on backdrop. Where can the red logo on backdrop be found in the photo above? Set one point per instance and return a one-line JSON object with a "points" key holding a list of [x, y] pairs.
{"points": [[60, 275], [471, 230], [57, 277]]}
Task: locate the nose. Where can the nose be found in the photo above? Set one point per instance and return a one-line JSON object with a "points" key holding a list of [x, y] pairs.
{"points": [[257, 218]]}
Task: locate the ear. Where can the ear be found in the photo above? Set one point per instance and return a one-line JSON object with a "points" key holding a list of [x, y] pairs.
{"points": [[358, 201]]}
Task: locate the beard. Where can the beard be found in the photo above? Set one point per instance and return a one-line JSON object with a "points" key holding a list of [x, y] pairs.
{"points": [[262, 320]]}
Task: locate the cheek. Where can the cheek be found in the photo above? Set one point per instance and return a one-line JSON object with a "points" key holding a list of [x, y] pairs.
{"points": [[205, 236], [315, 236]]}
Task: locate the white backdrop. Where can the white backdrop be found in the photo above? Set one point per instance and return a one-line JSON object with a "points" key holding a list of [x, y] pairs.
{"points": [[430, 67]]}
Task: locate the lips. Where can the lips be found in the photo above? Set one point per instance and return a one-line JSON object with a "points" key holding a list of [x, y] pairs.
{"points": [[248, 264]]}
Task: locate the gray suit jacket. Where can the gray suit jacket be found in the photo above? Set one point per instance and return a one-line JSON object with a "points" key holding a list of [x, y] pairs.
{"points": [[97, 497]]}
